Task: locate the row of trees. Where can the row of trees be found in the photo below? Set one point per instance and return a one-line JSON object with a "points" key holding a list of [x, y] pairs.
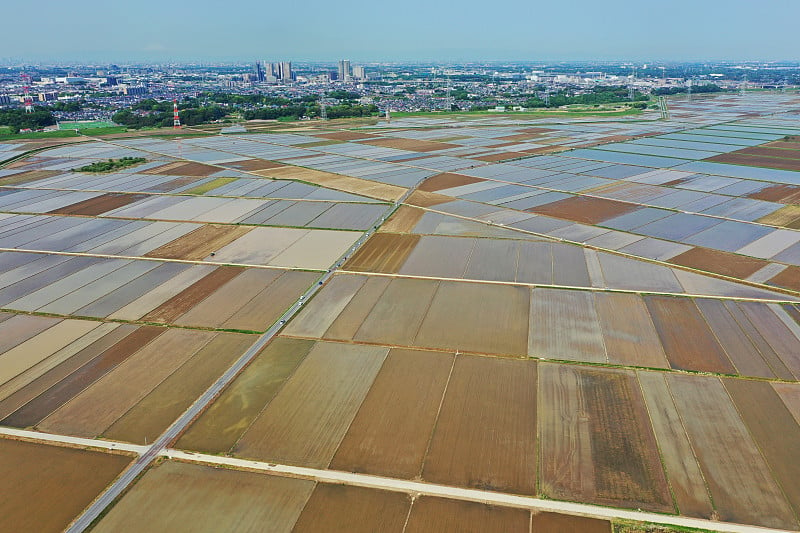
{"points": [[598, 96], [312, 111], [699, 89], [160, 114]]}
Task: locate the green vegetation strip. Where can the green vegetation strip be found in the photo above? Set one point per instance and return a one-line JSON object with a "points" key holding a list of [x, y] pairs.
{"points": [[111, 164]]}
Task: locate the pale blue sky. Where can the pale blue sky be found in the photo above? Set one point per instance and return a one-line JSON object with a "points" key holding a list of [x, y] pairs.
{"points": [[375, 30]]}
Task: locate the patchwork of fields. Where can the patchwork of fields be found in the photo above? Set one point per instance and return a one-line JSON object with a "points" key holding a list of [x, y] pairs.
{"points": [[437, 324]]}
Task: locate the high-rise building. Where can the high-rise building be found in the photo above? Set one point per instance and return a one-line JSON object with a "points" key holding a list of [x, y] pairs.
{"points": [[285, 71], [344, 70], [258, 72], [359, 74]]}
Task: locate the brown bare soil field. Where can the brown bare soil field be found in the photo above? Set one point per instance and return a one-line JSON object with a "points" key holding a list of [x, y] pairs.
{"points": [[221, 425], [759, 340], [564, 325], [347, 509], [326, 305], [99, 204], [792, 144], [784, 343], [453, 516], [28, 176], [584, 209], [685, 477], [628, 333], [790, 395], [774, 429], [150, 417], [218, 307], [602, 414], [403, 220], [788, 279], [719, 262], [503, 156], [763, 161], [383, 252], [398, 313], [346, 325], [686, 337], [15, 397], [23, 328], [412, 145], [173, 184], [787, 151], [305, 423], [180, 168], [739, 347], [559, 523], [184, 497], [786, 194], [477, 317], [253, 164], [389, 435], [786, 217], [179, 304], [198, 244], [330, 180], [485, 436], [740, 481], [427, 199], [72, 385], [346, 136], [45, 487], [268, 305], [92, 411], [446, 180]]}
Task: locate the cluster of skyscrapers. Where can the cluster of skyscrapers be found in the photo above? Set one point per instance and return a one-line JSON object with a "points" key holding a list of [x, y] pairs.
{"points": [[273, 72], [348, 73]]}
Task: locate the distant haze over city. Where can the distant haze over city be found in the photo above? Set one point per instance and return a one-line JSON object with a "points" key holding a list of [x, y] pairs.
{"points": [[410, 31]]}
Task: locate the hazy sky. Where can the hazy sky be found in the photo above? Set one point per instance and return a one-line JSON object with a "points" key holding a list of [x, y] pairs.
{"points": [[375, 30]]}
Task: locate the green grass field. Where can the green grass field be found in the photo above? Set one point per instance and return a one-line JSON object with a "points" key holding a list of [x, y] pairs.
{"points": [[39, 135], [85, 125]]}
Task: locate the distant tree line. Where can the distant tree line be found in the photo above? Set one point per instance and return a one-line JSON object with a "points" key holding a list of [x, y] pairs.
{"points": [[296, 111], [599, 95], [151, 113], [698, 89]]}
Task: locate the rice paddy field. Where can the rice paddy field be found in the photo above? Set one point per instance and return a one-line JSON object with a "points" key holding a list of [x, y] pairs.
{"points": [[505, 324]]}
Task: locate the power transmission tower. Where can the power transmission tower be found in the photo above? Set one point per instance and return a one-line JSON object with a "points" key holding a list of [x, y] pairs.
{"points": [[663, 107], [323, 111]]}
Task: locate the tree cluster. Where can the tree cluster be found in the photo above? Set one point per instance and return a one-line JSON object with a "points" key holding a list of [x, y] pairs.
{"points": [[111, 164], [18, 119]]}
